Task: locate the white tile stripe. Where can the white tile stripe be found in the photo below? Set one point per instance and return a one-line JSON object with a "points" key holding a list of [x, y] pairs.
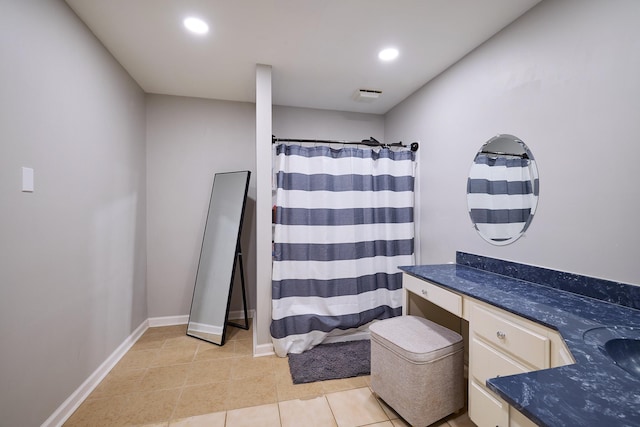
{"points": [[335, 306], [318, 270], [344, 233], [343, 199], [356, 166]]}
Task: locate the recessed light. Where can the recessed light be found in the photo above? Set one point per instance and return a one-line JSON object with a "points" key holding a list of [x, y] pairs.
{"points": [[388, 54], [196, 25]]}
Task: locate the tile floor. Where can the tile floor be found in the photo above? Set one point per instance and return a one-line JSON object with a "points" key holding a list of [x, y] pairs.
{"points": [[170, 379]]}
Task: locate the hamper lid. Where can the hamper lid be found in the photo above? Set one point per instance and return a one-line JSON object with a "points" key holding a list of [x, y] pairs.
{"points": [[415, 338]]}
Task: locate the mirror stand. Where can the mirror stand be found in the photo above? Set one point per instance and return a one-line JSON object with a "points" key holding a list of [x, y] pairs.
{"points": [[244, 293]]}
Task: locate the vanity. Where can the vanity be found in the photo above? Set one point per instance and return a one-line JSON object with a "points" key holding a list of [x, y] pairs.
{"points": [[536, 340]]}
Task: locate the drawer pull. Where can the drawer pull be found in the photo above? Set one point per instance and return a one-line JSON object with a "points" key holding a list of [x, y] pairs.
{"points": [[424, 292], [501, 335]]}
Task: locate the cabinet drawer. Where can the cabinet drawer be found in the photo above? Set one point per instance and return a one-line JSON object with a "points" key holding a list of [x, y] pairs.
{"points": [[446, 299], [485, 410], [511, 337], [487, 362]]}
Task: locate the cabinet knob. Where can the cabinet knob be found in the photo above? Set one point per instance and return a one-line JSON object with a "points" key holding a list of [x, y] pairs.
{"points": [[501, 335], [424, 292]]}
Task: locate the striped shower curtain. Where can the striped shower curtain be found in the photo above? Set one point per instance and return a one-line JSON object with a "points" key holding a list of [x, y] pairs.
{"points": [[501, 194], [343, 224]]}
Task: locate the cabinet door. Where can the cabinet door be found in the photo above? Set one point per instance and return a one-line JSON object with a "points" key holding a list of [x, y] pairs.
{"points": [[501, 344], [491, 363], [485, 410], [516, 419]]}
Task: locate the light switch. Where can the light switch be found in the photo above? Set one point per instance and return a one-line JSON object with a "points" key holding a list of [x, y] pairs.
{"points": [[27, 179]]}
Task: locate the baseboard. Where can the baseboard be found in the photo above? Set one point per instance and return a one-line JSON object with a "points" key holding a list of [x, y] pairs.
{"points": [[239, 314], [263, 350], [184, 318], [72, 403], [168, 320]]}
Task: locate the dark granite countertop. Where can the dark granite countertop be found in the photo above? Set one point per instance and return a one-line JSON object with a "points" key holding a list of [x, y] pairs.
{"points": [[592, 392]]}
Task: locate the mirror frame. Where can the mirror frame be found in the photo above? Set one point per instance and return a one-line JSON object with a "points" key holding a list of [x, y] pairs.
{"points": [[219, 255], [485, 192]]}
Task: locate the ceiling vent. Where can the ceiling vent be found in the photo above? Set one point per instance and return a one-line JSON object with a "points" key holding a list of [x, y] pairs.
{"points": [[366, 95]]}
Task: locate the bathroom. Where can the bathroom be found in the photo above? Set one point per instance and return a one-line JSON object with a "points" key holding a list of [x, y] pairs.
{"points": [[563, 78]]}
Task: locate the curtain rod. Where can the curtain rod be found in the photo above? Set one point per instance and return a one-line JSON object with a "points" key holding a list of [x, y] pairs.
{"points": [[502, 153], [371, 142]]}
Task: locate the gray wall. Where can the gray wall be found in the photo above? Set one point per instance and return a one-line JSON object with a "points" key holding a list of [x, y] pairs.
{"points": [[309, 123], [563, 78], [72, 253], [188, 141]]}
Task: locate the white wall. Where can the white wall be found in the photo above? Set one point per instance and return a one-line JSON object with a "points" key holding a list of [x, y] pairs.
{"points": [[72, 253], [188, 141], [264, 117], [563, 78]]}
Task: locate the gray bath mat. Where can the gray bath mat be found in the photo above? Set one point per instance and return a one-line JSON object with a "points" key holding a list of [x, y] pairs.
{"points": [[331, 361]]}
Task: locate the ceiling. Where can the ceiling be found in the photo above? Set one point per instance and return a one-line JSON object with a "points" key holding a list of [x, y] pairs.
{"points": [[321, 51]]}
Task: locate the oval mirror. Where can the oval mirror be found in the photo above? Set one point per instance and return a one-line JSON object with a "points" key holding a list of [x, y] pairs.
{"points": [[502, 189]]}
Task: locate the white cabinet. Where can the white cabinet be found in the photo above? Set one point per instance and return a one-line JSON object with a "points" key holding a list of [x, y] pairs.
{"points": [[487, 409], [511, 335], [516, 419], [499, 343], [448, 300]]}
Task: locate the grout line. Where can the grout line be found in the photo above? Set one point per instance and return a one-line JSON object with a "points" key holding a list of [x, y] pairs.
{"points": [[335, 420], [234, 356], [279, 411], [175, 407]]}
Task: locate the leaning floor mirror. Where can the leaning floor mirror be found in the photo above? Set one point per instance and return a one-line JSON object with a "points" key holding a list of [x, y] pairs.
{"points": [[219, 257]]}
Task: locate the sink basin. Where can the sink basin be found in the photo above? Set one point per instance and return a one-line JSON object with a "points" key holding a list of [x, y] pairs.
{"points": [[625, 353], [600, 335], [621, 344]]}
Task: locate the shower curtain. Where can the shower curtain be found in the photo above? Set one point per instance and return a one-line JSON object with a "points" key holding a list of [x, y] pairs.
{"points": [[343, 225], [502, 194]]}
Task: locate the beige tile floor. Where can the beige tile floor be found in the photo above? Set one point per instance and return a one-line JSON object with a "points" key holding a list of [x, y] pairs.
{"points": [[170, 379]]}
